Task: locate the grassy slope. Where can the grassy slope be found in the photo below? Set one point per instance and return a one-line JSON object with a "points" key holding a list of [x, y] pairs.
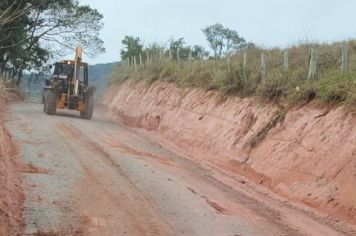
{"points": [[287, 87]]}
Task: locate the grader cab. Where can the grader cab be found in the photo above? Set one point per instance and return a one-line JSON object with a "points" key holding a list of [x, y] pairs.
{"points": [[68, 88]]}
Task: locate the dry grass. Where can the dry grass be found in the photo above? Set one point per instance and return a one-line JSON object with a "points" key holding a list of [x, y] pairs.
{"points": [[2, 87], [291, 87]]}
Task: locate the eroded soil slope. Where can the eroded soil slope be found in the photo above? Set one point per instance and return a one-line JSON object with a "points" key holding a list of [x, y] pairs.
{"points": [[307, 155], [11, 197]]}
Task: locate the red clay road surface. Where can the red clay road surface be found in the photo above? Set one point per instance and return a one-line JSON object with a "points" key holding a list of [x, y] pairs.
{"points": [[99, 178]]}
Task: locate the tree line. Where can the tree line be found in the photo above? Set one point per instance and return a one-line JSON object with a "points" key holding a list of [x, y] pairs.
{"points": [[33, 31], [223, 42]]}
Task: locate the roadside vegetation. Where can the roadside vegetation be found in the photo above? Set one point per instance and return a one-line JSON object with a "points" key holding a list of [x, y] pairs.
{"points": [[34, 31], [224, 69]]}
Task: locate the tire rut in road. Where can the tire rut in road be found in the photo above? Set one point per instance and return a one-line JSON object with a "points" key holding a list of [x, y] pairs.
{"points": [[133, 207], [253, 201], [260, 209]]}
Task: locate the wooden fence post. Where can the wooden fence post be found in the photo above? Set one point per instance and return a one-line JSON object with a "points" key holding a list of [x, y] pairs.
{"points": [[344, 58], [244, 68], [285, 60], [178, 56], [140, 56], [147, 58], [134, 63], [312, 63], [228, 61], [201, 59], [191, 60], [263, 66]]}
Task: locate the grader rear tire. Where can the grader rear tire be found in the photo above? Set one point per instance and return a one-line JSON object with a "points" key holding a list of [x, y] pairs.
{"points": [[44, 103], [50, 103], [89, 108]]}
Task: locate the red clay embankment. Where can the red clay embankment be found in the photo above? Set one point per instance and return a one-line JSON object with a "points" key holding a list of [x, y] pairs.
{"points": [[11, 196], [307, 155]]}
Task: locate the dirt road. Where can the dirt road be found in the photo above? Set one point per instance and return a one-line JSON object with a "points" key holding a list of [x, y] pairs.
{"points": [[98, 178]]}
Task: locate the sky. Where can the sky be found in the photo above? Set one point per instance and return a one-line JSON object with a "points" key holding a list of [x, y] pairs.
{"points": [[268, 23]]}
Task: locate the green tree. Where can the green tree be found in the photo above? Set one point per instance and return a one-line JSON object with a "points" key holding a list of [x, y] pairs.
{"points": [[10, 11], [199, 51], [132, 47], [179, 44], [223, 41], [33, 31]]}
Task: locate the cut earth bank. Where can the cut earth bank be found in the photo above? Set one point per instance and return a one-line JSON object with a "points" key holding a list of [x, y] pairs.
{"points": [[307, 154], [11, 195]]}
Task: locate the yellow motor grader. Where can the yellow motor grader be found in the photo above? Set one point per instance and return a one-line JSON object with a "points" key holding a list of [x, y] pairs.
{"points": [[68, 88]]}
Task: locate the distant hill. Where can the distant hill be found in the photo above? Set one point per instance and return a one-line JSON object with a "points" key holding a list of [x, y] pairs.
{"points": [[98, 75]]}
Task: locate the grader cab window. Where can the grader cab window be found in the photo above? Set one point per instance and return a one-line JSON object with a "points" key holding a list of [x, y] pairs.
{"points": [[63, 69], [81, 74]]}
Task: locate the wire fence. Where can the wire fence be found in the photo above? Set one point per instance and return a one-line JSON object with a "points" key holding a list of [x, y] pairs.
{"points": [[309, 59]]}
